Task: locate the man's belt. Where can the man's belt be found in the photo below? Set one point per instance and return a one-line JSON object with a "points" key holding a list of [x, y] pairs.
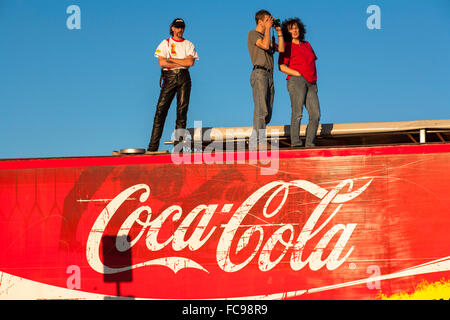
{"points": [[178, 70], [261, 67]]}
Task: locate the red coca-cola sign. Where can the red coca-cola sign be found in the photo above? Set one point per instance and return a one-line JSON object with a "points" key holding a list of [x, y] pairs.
{"points": [[346, 223]]}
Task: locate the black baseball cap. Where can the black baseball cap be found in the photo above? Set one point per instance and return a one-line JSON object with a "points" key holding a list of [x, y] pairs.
{"points": [[178, 23]]}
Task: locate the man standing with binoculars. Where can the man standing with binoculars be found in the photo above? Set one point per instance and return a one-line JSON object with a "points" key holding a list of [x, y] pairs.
{"points": [[261, 49]]}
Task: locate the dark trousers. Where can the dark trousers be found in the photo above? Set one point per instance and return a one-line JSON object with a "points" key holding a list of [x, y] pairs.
{"points": [[302, 93], [174, 82]]}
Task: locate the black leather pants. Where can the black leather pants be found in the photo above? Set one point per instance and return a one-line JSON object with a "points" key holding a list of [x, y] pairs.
{"points": [[175, 82]]}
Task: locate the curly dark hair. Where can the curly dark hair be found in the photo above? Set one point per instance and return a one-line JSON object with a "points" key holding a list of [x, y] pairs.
{"points": [[289, 23]]}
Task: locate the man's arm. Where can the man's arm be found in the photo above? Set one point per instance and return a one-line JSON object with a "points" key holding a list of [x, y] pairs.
{"points": [[186, 62], [165, 63], [176, 63], [265, 42]]}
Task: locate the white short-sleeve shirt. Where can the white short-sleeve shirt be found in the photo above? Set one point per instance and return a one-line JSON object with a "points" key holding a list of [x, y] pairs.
{"points": [[171, 48]]}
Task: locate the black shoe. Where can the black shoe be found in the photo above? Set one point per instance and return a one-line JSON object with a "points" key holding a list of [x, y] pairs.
{"points": [[310, 145]]}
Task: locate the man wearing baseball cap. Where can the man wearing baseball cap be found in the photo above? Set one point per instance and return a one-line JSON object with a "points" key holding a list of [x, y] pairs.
{"points": [[175, 56]]}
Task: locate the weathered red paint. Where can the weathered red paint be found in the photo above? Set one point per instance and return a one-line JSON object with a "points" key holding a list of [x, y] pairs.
{"points": [[49, 207]]}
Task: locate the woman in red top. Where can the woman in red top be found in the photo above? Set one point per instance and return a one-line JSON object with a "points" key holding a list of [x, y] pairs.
{"points": [[298, 62]]}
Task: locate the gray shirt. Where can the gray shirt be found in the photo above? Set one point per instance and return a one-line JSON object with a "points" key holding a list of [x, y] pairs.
{"points": [[260, 57]]}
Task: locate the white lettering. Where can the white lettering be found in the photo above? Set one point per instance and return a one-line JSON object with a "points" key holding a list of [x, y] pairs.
{"points": [[74, 20], [373, 282], [74, 280], [224, 254], [374, 21]]}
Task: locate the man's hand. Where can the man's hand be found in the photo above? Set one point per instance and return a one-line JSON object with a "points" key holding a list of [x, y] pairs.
{"points": [[186, 62], [268, 23], [265, 42], [176, 63]]}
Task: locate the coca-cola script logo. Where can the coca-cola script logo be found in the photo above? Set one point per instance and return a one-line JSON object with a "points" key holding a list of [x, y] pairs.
{"points": [[338, 195]]}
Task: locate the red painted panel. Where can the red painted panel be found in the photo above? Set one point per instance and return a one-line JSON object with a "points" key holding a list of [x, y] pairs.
{"points": [[341, 223]]}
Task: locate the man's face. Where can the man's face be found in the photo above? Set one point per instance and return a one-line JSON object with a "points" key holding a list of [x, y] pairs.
{"points": [[178, 32], [294, 31]]}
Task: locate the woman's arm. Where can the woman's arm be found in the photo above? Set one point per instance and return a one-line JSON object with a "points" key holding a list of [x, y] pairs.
{"points": [[280, 47], [291, 72]]}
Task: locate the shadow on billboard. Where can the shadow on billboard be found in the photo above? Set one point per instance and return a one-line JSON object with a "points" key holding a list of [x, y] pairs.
{"points": [[114, 258]]}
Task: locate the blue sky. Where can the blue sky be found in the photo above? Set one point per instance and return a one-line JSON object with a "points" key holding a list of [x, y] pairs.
{"points": [[90, 91]]}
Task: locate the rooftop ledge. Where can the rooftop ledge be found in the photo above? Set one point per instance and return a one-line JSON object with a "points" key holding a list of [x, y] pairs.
{"points": [[336, 134]]}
